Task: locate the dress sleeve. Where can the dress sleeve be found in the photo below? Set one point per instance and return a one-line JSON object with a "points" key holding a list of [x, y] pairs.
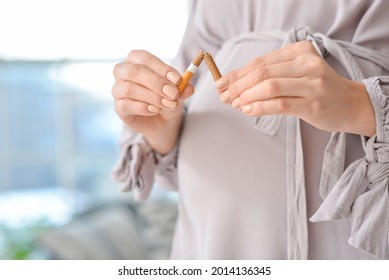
{"points": [[362, 192], [378, 89], [139, 166]]}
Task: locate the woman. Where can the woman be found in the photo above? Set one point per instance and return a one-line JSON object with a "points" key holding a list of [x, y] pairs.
{"points": [[251, 174]]}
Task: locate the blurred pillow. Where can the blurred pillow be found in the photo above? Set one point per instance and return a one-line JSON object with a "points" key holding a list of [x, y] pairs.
{"points": [[104, 234]]}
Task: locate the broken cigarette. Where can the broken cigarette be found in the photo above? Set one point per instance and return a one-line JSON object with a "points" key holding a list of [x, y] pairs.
{"points": [[192, 68], [212, 66]]}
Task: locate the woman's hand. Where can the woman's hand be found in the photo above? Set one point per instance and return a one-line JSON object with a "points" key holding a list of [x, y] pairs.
{"points": [[147, 98], [296, 80]]}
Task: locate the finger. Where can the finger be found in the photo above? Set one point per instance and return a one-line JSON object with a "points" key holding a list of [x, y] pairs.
{"points": [[144, 76], [275, 88], [155, 64], [290, 69], [186, 93], [281, 55], [293, 106], [127, 108], [129, 90]]}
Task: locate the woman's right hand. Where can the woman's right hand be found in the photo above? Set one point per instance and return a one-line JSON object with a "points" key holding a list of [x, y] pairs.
{"points": [[147, 98]]}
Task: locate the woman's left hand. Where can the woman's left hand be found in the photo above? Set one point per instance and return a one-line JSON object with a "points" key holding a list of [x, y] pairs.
{"points": [[295, 80]]}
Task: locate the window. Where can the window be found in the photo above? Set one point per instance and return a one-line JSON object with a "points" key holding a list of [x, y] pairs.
{"points": [[93, 30], [58, 129]]}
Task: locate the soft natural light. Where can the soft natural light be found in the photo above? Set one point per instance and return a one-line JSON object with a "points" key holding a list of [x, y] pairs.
{"points": [[93, 78], [74, 29], [55, 206]]}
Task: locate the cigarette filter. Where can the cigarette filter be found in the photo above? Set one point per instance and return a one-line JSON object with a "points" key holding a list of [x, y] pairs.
{"points": [[192, 68], [212, 66]]}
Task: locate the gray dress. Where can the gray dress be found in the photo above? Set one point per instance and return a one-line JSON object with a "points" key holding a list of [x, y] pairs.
{"points": [[247, 186]]}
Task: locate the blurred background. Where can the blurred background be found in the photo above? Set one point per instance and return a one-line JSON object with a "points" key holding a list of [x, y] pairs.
{"points": [[59, 132]]}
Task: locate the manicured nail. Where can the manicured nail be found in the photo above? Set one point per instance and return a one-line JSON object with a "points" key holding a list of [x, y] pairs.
{"points": [[225, 96], [247, 109], [236, 103], [173, 77], [169, 103], [153, 109], [222, 82], [170, 91]]}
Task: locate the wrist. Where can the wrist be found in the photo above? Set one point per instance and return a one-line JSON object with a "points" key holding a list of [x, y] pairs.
{"points": [[362, 118], [161, 145], [164, 139]]}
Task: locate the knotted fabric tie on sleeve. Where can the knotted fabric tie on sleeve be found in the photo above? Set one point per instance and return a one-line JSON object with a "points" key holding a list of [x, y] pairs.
{"points": [[135, 169], [343, 197], [362, 193]]}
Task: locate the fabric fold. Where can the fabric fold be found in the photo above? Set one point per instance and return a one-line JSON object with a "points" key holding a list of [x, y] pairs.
{"points": [[333, 163], [268, 124], [362, 193], [139, 167], [135, 168], [297, 206]]}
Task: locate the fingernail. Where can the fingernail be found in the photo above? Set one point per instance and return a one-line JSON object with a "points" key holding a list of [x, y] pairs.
{"points": [[169, 103], [225, 96], [153, 109], [247, 109], [170, 91], [222, 82], [173, 77], [236, 103]]}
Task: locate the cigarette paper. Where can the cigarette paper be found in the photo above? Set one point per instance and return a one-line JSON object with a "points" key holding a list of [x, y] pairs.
{"points": [[212, 66], [192, 68]]}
